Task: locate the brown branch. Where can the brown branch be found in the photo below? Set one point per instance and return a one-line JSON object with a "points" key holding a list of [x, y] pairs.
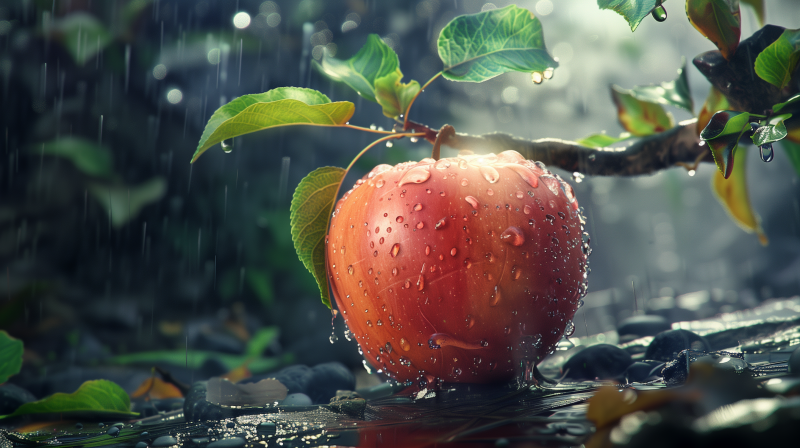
{"points": [[675, 147], [445, 133]]}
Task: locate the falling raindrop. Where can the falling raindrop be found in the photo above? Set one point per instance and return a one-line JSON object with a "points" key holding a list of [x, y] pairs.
{"points": [[537, 77]]}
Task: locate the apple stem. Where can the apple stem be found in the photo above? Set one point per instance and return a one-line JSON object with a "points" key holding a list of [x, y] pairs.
{"points": [[445, 133]]}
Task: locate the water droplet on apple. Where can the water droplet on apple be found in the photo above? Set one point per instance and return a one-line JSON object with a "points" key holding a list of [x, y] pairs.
{"points": [[490, 192], [416, 175], [569, 330], [380, 183], [513, 235], [551, 182], [527, 209], [399, 219], [440, 224], [395, 249], [462, 164], [417, 207], [464, 182], [472, 201], [495, 298], [453, 251], [420, 282], [350, 269], [467, 263], [515, 273], [405, 345], [427, 250], [520, 194], [489, 173], [470, 321]]}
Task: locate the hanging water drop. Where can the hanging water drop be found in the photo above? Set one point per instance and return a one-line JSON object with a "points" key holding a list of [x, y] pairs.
{"points": [[767, 154], [227, 146], [659, 13]]}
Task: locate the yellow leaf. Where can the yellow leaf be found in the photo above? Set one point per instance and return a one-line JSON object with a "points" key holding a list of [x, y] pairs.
{"points": [[157, 389], [732, 194]]}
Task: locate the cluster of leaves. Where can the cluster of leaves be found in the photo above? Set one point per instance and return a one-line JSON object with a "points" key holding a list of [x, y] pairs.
{"points": [[472, 48]]}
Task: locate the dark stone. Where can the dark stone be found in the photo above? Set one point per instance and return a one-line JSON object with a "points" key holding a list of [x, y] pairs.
{"points": [[296, 400], [794, 362], [350, 406], [669, 343], [647, 325], [602, 361], [328, 378], [164, 441], [78, 425], [140, 445], [233, 442], [295, 378], [169, 404], [642, 371], [267, 429], [12, 397]]}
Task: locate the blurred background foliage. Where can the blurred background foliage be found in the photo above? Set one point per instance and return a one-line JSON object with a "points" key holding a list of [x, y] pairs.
{"points": [[111, 243]]}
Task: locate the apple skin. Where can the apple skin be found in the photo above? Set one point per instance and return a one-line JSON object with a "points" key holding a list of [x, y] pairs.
{"points": [[465, 269]]}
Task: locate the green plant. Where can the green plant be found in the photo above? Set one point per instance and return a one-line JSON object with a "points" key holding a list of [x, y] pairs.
{"points": [[741, 107]]}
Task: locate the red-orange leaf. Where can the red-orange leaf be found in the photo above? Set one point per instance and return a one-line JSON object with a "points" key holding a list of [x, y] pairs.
{"points": [[157, 389], [719, 21]]}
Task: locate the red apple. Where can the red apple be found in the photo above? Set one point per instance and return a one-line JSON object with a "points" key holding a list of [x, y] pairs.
{"points": [[460, 269]]}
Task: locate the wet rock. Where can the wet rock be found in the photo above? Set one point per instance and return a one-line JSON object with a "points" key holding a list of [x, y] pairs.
{"points": [[677, 371], [647, 325], [295, 378], [267, 429], [164, 441], [232, 442], [230, 425], [113, 431], [326, 379], [297, 399], [602, 361], [667, 344], [140, 445], [12, 397], [794, 362], [348, 402], [642, 371]]}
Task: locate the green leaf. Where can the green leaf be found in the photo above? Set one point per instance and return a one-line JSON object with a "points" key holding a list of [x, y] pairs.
{"points": [[758, 9], [393, 95], [374, 60], [769, 133], [778, 107], [776, 63], [311, 207], [96, 397], [602, 140], [718, 20], [260, 281], [261, 340], [731, 192], [675, 93], [634, 11], [124, 203], [82, 35], [638, 117], [194, 359], [722, 134], [88, 157], [10, 356], [478, 47], [283, 106], [792, 153]]}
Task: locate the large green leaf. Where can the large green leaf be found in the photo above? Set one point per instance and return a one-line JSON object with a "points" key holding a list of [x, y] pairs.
{"points": [[283, 106], [481, 46], [374, 60], [675, 93], [311, 207], [87, 156], [634, 11], [602, 140], [718, 20], [731, 191], [82, 35], [97, 397], [722, 133], [123, 202], [393, 95], [10, 356], [776, 63], [792, 153], [780, 106], [770, 133], [639, 117]]}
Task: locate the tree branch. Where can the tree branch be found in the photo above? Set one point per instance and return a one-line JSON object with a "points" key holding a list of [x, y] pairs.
{"points": [[679, 146]]}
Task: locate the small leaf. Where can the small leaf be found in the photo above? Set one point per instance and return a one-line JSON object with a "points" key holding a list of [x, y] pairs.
{"points": [[602, 140], [722, 134], [778, 61], [88, 157], [718, 20], [311, 207], [769, 133], [758, 9], [374, 60], [792, 153], [10, 356], [477, 47], [715, 102], [261, 340], [96, 398], [82, 35], [675, 93], [157, 389], [780, 106], [394, 96], [640, 118], [124, 203], [732, 194], [196, 358], [283, 106], [634, 11]]}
